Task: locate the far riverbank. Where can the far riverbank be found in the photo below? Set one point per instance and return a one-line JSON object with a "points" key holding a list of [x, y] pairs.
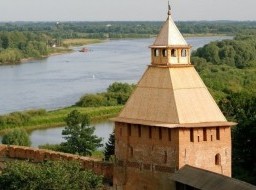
{"points": [[67, 46], [39, 119]]}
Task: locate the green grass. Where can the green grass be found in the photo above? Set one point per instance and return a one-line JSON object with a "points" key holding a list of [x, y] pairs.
{"points": [[98, 154], [57, 117]]}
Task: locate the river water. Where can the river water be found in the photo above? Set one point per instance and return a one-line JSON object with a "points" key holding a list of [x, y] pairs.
{"points": [[60, 80]]}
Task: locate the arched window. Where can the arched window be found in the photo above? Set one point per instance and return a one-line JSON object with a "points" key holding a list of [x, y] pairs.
{"points": [[164, 52], [156, 52], [217, 159], [173, 53], [183, 53]]}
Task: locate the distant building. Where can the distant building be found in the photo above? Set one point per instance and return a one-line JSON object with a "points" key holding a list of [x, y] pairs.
{"points": [[170, 121]]}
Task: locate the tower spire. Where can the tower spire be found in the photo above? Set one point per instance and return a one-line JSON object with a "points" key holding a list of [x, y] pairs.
{"points": [[169, 8]]}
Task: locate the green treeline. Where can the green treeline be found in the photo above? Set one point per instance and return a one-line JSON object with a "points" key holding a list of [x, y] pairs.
{"points": [[21, 40], [228, 69], [15, 46], [122, 29]]}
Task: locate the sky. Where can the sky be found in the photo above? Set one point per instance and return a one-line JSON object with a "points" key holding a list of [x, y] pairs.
{"points": [[125, 10]]}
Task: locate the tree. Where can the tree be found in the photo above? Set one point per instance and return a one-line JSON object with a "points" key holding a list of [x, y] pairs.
{"points": [[79, 135], [58, 175], [120, 92], [16, 137], [110, 147]]}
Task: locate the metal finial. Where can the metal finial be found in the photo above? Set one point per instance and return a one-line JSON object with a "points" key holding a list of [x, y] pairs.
{"points": [[169, 8]]}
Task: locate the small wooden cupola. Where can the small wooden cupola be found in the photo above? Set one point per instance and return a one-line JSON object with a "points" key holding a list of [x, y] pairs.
{"points": [[170, 48]]}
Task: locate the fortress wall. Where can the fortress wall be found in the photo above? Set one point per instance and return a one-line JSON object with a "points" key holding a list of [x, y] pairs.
{"points": [[40, 155]]}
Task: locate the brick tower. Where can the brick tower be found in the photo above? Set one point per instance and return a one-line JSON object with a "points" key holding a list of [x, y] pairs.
{"points": [[169, 121]]}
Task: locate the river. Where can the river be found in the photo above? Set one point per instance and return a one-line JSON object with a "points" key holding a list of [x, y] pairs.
{"points": [[59, 81]]}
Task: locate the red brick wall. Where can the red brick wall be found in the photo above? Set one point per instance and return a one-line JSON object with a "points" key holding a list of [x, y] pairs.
{"points": [[144, 162], [39, 155], [202, 153], [154, 150]]}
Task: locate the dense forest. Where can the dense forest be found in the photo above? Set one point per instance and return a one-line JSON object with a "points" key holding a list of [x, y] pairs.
{"points": [[124, 29]]}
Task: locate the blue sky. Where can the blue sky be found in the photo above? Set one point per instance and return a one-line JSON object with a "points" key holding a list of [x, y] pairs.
{"points": [[128, 10]]}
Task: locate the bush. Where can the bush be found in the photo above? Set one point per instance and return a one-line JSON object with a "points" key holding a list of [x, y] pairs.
{"points": [[58, 175], [16, 137], [92, 100], [117, 94], [118, 87]]}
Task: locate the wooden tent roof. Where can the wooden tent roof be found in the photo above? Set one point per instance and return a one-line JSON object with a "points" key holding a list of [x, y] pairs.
{"points": [[206, 180], [172, 97], [169, 35]]}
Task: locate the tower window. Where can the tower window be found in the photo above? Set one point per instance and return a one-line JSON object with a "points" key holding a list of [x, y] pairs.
{"points": [[198, 138], [173, 53], [164, 52], [160, 133], [217, 159], [150, 132], [205, 134], [218, 133], [169, 134], [183, 53], [139, 130], [129, 130], [156, 52], [191, 135]]}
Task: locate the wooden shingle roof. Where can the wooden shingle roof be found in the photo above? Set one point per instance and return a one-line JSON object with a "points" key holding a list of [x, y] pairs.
{"points": [[169, 35], [172, 97]]}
